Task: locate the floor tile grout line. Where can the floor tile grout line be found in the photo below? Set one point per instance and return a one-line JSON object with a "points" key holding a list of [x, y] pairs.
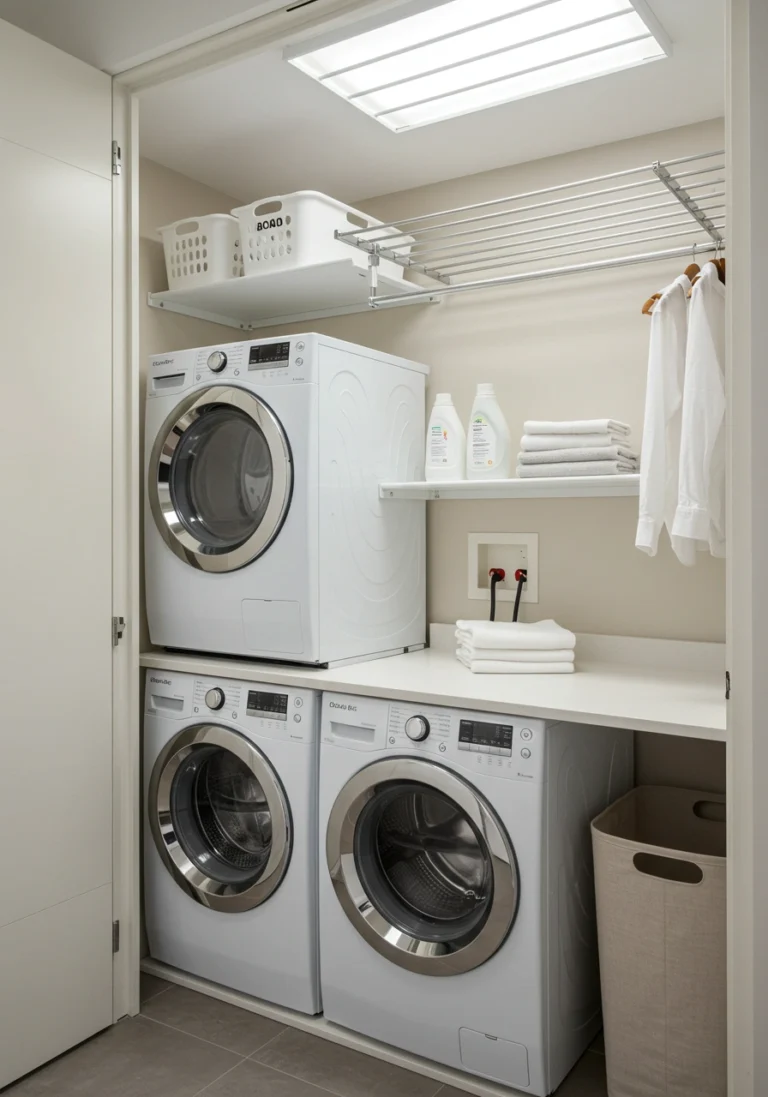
{"points": [[215, 1080], [333, 1092], [151, 998], [297, 1078], [266, 1043], [192, 1036]]}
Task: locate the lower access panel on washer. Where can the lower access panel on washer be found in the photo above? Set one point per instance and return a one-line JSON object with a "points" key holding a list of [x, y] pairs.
{"points": [[496, 1058]]}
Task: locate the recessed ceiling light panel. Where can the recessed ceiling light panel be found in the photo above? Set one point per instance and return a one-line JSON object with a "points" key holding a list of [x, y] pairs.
{"points": [[436, 59]]}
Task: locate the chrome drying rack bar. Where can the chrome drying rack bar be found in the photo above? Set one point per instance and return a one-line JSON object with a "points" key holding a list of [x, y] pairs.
{"points": [[531, 236]]}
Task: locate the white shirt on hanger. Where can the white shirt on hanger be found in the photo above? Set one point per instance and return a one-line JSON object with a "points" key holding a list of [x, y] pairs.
{"points": [[659, 468], [700, 516]]}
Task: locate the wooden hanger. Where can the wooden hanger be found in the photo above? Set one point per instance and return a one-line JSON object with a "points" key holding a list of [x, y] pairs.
{"points": [[648, 306], [719, 265], [690, 272]]}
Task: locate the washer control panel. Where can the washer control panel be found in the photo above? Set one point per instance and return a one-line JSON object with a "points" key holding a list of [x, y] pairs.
{"points": [[257, 363], [257, 709], [502, 746], [482, 737]]}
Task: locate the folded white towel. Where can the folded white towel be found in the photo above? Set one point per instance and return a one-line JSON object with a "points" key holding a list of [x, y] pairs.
{"points": [[578, 468], [532, 443], [588, 453], [576, 426], [516, 655], [510, 635], [499, 666]]}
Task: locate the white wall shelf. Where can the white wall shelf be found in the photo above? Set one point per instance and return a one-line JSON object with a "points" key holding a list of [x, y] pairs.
{"points": [[542, 487], [336, 288]]}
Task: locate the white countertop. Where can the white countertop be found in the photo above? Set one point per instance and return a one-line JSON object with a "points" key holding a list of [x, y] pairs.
{"points": [[666, 686]]}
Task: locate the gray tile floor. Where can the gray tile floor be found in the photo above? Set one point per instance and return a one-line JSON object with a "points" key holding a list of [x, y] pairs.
{"points": [[185, 1044]]}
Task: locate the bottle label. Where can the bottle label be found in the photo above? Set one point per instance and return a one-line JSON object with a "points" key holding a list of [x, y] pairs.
{"points": [[438, 444], [482, 441]]}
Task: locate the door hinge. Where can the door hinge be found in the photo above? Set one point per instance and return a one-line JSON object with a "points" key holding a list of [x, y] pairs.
{"points": [[115, 936], [117, 159], [118, 630], [727, 685]]}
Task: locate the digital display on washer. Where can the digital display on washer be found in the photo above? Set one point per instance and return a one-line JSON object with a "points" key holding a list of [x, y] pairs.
{"points": [[490, 738], [271, 354], [272, 706]]}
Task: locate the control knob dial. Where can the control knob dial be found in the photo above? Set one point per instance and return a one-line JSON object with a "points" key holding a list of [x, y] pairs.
{"points": [[214, 698], [217, 361], [417, 728]]}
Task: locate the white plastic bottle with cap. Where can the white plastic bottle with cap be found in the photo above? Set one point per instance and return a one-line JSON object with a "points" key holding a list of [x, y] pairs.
{"points": [[489, 445], [446, 442]]}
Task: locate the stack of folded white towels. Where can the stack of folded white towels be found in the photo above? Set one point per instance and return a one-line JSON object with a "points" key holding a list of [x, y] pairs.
{"points": [[581, 447], [500, 647]]}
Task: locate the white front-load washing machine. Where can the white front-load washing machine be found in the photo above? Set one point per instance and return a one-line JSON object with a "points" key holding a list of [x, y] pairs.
{"points": [[456, 892], [264, 532], [230, 834]]}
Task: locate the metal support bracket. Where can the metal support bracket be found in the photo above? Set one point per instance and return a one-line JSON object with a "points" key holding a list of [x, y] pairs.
{"points": [[682, 195], [373, 274]]}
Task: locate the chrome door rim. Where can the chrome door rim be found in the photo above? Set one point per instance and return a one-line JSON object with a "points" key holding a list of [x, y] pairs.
{"points": [[209, 892], [423, 957], [168, 521]]}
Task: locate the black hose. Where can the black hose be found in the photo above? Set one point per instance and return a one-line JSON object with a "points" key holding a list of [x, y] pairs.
{"points": [[523, 575]]}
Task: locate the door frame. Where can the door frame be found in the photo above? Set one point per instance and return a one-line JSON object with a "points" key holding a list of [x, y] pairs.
{"points": [[747, 590], [126, 548], [747, 611]]}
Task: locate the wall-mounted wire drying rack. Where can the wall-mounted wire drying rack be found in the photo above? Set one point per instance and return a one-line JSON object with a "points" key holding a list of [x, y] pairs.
{"points": [[541, 233]]}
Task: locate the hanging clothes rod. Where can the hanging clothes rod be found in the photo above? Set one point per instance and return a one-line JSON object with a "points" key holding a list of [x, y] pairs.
{"points": [[537, 276], [510, 238], [647, 168]]}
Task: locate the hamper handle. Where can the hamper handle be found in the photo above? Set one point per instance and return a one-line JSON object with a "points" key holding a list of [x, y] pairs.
{"points": [[358, 221], [711, 811], [268, 207], [668, 868], [187, 226]]}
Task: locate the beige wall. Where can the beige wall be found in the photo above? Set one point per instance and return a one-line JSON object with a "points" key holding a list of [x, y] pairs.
{"points": [[166, 196], [567, 349]]}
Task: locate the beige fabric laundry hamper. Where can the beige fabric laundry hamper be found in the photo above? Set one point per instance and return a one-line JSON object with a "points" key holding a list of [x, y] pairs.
{"points": [[661, 916]]}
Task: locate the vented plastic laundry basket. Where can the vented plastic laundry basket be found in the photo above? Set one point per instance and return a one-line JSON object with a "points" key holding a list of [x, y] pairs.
{"points": [[202, 250], [660, 875], [297, 230]]}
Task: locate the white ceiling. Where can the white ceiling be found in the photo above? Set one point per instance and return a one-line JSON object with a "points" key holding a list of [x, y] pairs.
{"points": [[116, 34], [260, 127]]}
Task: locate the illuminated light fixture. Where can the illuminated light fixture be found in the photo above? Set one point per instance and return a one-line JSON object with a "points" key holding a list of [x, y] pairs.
{"points": [[435, 59]]}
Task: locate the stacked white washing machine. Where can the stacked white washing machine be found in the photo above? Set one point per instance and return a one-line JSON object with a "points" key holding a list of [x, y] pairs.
{"points": [[265, 538]]}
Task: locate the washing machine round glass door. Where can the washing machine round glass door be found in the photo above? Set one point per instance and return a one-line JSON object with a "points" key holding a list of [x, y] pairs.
{"points": [[219, 818], [422, 866], [220, 478]]}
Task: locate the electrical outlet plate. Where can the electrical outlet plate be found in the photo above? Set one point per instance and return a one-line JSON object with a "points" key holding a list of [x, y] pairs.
{"points": [[503, 550]]}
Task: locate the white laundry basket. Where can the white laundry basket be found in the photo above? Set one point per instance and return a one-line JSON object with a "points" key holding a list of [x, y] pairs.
{"points": [[297, 230], [660, 877], [202, 250]]}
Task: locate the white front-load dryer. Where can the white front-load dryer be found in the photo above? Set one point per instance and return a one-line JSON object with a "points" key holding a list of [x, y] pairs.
{"points": [[456, 893], [230, 834], [265, 535]]}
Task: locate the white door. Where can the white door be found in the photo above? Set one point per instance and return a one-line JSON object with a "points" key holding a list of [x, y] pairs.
{"points": [[55, 552]]}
